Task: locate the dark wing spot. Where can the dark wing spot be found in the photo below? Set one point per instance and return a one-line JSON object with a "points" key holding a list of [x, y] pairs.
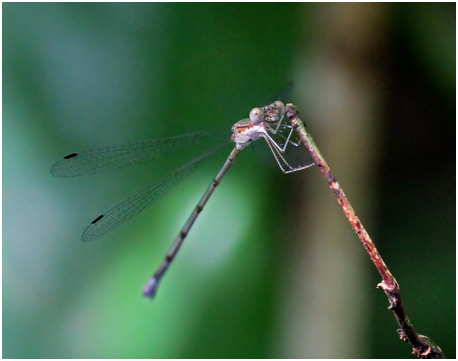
{"points": [[70, 156], [97, 219]]}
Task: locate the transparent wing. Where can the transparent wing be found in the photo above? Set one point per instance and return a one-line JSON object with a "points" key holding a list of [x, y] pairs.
{"points": [[286, 146], [284, 94], [140, 200], [115, 157]]}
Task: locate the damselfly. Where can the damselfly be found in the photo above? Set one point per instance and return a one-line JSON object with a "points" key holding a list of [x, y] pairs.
{"points": [[266, 122]]}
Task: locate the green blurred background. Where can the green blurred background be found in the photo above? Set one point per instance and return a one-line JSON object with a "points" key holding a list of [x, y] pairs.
{"points": [[272, 268]]}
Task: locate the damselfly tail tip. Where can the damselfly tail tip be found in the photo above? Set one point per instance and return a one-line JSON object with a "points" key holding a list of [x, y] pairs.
{"points": [[151, 287]]}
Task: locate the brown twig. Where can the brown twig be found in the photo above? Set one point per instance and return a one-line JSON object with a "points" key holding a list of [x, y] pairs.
{"points": [[422, 346]]}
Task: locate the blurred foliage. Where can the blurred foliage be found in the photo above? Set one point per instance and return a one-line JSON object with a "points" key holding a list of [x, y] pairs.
{"points": [[82, 75]]}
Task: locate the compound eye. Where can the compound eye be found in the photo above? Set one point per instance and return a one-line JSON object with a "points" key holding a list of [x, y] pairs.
{"points": [[281, 107], [257, 115]]}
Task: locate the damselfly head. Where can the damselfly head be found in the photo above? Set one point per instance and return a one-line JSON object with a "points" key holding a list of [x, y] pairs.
{"points": [[248, 130]]}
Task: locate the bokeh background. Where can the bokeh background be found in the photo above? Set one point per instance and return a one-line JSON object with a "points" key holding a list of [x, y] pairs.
{"points": [[272, 268]]}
